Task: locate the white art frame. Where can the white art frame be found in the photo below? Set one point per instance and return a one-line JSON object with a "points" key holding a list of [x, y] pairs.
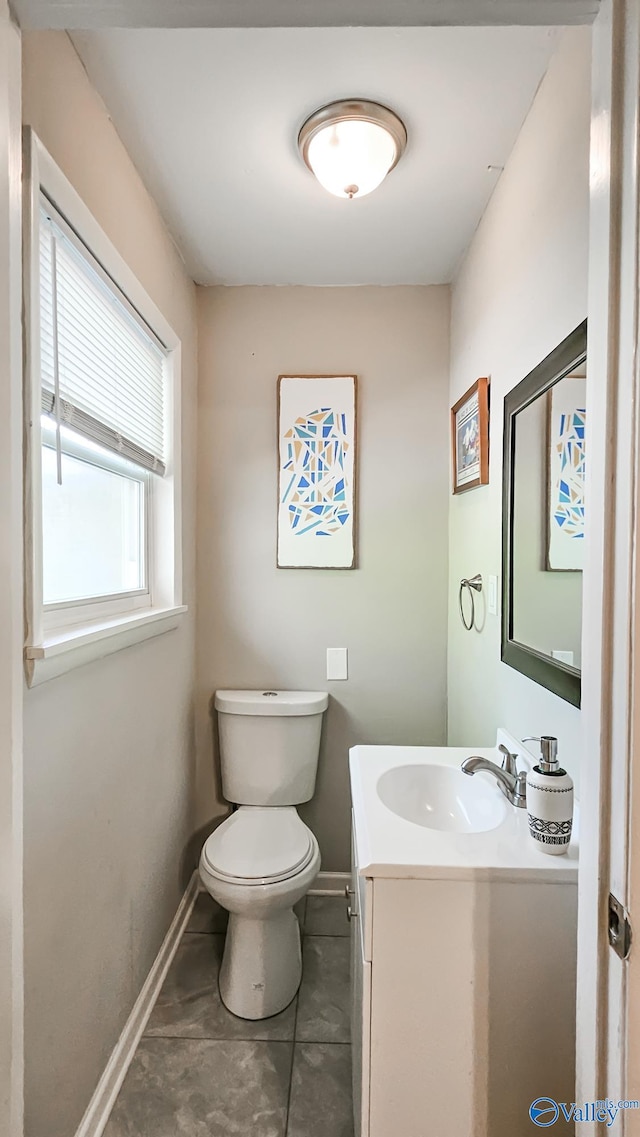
{"points": [[566, 427], [317, 439]]}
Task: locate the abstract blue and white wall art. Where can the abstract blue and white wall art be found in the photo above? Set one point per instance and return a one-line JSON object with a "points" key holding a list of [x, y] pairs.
{"points": [[567, 462], [316, 471]]}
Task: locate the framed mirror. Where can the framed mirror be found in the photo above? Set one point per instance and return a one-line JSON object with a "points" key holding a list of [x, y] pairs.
{"points": [[543, 519]]}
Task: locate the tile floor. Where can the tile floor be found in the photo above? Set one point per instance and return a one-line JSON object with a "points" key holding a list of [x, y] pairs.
{"points": [[201, 1072]]}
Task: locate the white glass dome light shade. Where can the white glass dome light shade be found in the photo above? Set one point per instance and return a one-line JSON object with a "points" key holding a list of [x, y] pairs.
{"points": [[352, 145], [351, 158]]}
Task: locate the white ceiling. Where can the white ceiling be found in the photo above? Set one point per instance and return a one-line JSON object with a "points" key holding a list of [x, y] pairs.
{"points": [[211, 117]]}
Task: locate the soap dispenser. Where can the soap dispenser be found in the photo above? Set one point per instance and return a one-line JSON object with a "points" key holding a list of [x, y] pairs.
{"points": [[549, 800]]}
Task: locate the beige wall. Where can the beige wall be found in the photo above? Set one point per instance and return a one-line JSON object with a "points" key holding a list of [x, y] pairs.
{"points": [[109, 757], [259, 626], [521, 289]]}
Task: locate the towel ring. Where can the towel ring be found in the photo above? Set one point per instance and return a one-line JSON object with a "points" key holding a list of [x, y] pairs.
{"points": [[471, 586]]}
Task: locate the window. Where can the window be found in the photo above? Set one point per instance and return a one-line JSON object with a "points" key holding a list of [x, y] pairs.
{"points": [[94, 523], [103, 440]]}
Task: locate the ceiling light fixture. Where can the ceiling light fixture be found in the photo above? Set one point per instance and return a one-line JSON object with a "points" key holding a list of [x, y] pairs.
{"points": [[351, 145]]}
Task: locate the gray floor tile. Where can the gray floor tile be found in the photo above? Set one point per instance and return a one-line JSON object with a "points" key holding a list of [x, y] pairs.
{"points": [[202, 1088], [189, 1004], [207, 916], [321, 1099], [323, 1000], [326, 916]]}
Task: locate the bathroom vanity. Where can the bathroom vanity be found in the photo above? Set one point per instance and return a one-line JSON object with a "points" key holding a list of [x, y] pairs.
{"points": [[463, 951]]}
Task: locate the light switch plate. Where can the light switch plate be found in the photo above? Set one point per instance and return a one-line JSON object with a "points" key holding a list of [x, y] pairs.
{"points": [[337, 663], [492, 596]]}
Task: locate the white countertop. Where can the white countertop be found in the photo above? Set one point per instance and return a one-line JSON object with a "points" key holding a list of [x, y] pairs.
{"points": [[389, 846]]}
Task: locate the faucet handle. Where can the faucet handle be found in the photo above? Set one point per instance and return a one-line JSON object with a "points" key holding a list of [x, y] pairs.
{"points": [[509, 760]]}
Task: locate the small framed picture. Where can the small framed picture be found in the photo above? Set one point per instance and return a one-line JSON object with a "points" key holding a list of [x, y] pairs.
{"points": [[470, 438]]}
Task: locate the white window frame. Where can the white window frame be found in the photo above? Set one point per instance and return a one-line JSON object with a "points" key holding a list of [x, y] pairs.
{"points": [[63, 636]]}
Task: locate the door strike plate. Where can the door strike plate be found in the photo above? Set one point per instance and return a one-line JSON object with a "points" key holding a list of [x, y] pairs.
{"points": [[620, 934]]}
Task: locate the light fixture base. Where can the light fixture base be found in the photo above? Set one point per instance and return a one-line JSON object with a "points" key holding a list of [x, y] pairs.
{"points": [[360, 110]]}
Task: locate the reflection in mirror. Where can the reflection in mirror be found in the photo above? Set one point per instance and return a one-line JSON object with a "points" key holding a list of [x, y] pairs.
{"points": [[548, 520], [543, 527]]}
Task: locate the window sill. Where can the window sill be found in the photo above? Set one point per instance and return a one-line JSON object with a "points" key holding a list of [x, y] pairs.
{"points": [[74, 647]]}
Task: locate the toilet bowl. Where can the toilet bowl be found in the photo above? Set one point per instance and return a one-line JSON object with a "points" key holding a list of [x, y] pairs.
{"points": [[262, 859], [257, 865]]}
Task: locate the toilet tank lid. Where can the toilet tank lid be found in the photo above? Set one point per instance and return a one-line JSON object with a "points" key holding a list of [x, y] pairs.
{"points": [[271, 702]]}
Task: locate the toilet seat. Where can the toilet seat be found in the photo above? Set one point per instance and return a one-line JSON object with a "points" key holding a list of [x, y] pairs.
{"points": [[259, 846]]}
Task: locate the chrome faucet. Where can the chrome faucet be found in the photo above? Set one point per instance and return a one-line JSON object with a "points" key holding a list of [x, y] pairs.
{"points": [[512, 783]]}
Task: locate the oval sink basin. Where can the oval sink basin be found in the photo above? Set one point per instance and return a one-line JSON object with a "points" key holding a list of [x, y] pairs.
{"points": [[441, 797]]}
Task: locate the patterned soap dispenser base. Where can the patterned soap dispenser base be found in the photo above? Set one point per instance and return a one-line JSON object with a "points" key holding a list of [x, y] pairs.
{"points": [[549, 800]]}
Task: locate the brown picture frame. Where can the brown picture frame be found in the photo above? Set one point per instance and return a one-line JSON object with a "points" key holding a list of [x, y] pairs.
{"points": [[471, 412]]}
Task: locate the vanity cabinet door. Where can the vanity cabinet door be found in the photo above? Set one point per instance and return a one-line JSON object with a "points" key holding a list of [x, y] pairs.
{"points": [[360, 1015]]}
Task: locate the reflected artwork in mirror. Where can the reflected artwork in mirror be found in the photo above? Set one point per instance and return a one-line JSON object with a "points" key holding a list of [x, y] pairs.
{"points": [[544, 519]]}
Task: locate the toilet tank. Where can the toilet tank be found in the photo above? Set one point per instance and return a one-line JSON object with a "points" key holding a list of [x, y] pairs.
{"points": [[269, 745]]}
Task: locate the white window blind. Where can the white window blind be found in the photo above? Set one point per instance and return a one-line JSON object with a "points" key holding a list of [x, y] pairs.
{"points": [[103, 373]]}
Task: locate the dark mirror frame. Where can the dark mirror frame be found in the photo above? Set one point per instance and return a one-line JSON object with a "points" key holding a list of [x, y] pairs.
{"points": [[563, 680]]}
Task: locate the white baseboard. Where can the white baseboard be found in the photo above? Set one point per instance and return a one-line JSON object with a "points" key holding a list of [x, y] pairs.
{"points": [[330, 884], [106, 1092]]}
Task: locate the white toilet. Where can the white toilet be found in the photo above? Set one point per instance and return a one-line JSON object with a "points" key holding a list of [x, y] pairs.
{"points": [[263, 858]]}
